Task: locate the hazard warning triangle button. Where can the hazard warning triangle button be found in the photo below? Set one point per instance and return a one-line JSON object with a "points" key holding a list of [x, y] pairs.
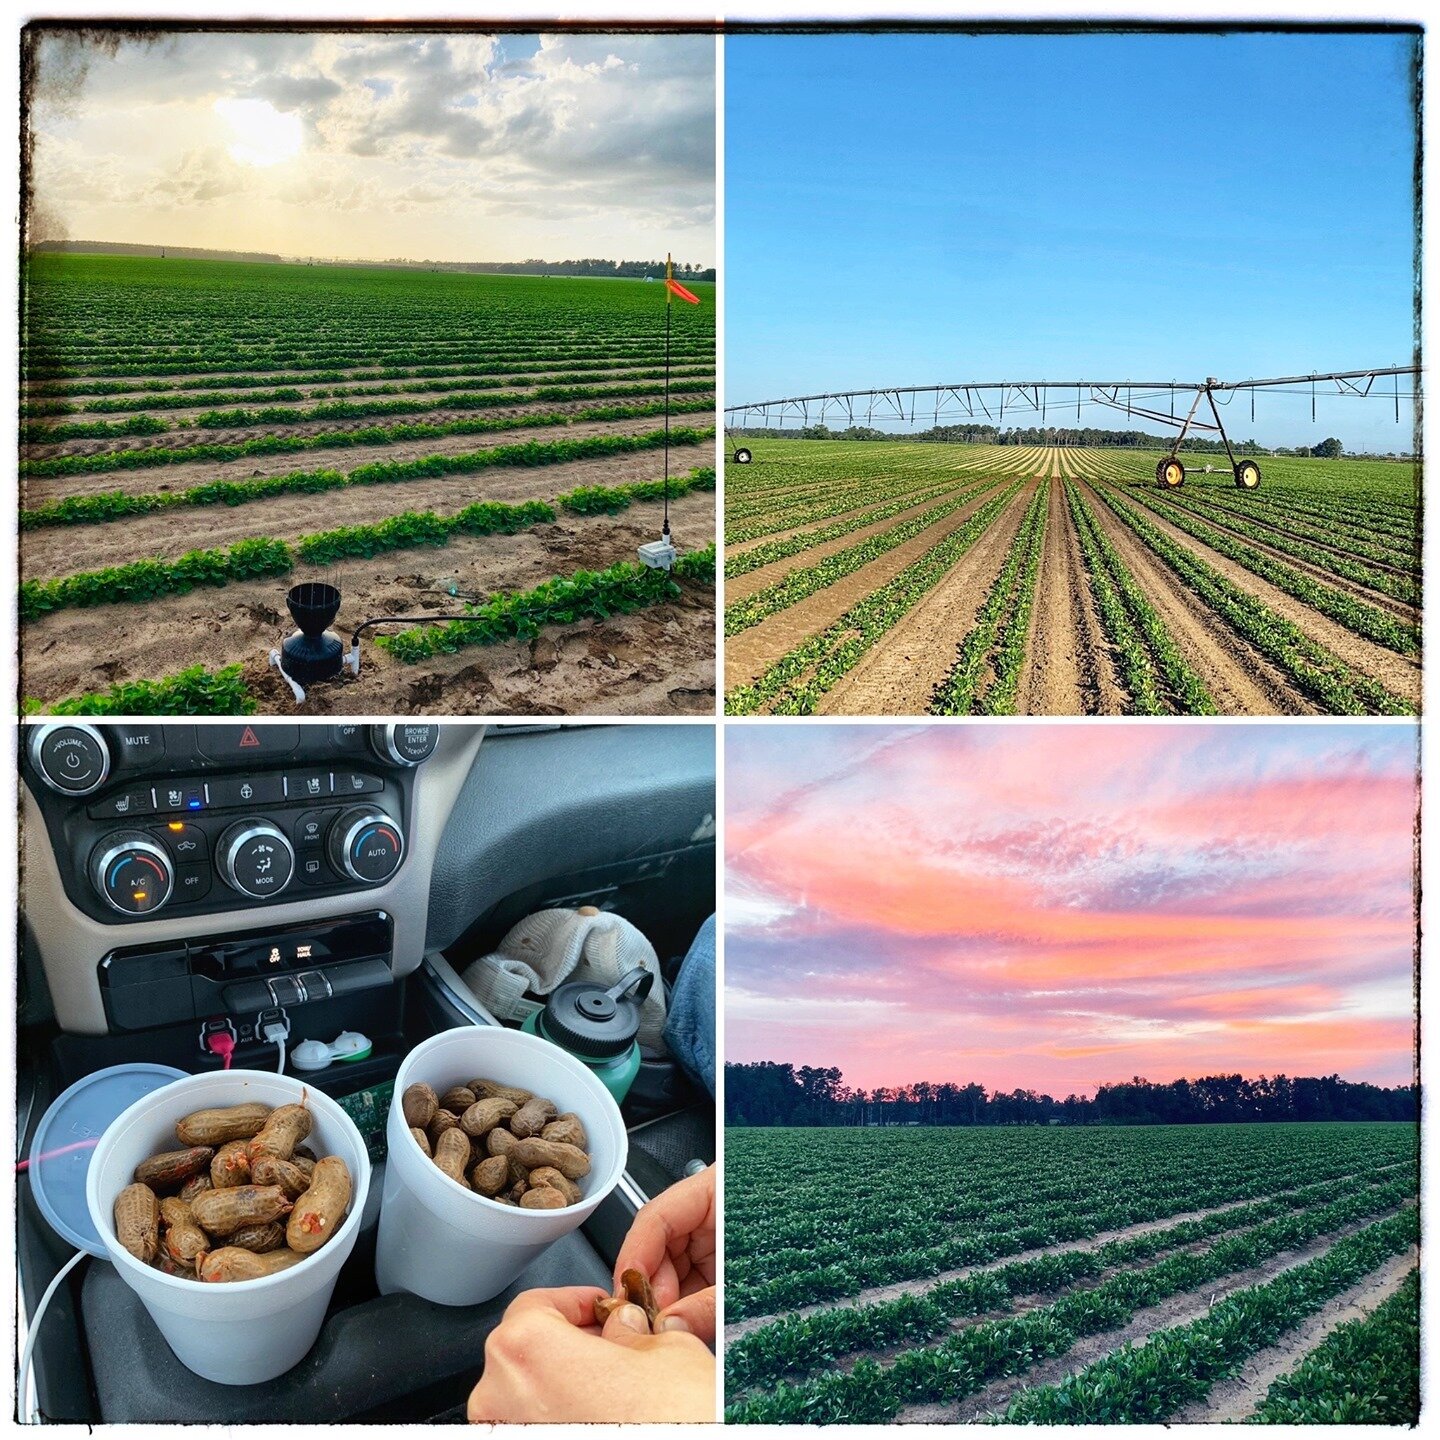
{"points": [[248, 742]]}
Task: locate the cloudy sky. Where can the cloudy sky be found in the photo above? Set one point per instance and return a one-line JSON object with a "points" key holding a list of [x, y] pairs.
{"points": [[453, 147], [1057, 906]]}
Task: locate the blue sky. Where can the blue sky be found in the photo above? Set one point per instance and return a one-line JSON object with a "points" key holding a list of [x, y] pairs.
{"points": [[912, 209]]}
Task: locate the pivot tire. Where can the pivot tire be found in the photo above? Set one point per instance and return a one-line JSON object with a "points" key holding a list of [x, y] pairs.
{"points": [[1247, 474], [742, 456], [1170, 473]]}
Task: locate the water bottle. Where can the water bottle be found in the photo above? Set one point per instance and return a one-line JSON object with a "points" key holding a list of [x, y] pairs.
{"points": [[597, 1026]]}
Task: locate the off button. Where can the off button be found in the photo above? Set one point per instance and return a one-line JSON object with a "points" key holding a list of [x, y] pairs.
{"points": [[73, 759]]}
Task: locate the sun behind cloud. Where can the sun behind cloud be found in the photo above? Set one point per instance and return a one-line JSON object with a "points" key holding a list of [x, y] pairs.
{"points": [[262, 135]]}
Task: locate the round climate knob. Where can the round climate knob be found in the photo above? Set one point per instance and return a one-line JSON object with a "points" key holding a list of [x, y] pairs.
{"points": [[367, 845], [256, 859], [404, 744], [133, 873], [73, 759]]}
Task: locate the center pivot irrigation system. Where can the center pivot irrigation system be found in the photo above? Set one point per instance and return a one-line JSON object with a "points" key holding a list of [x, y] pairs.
{"points": [[1137, 398]]}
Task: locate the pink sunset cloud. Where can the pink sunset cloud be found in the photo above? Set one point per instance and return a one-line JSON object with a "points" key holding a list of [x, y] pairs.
{"points": [[1058, 906]]}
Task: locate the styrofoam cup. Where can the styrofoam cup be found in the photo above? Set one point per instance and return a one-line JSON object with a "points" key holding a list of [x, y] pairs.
{"points": [[440, 1240], [243, 1332]]}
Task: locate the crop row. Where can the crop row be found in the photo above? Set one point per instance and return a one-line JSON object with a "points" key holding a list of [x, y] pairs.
{"points": [[333, 439], [799, 583], [142, 580], [795, 1345], [801, 678], [1365, 1372], [91, 430], [773, 550], [822, 502], [117, 504], [1365, 620], [587, 594], [1336, 686], [1004, 616], [992, 1349], [1175, 1367], [1266, 530], [194, 691], [1154, 671]]}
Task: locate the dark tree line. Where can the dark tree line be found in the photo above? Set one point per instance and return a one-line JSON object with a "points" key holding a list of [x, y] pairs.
{"points": [[768, 1093], [1053, 435]]}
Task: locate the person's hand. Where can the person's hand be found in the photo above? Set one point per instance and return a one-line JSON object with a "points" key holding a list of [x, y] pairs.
{"points": [[673, 1243], [547, 1362]]}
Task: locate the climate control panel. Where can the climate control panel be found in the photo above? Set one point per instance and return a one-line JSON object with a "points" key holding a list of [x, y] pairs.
{"points": [[195, 819]]}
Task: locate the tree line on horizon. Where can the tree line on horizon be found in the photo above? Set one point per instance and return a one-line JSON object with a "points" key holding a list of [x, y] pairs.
{"points": [[769, 1093], [1067, 436]]}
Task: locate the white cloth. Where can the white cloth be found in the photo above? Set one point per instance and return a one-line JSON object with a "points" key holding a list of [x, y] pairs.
{"points": [[551, 947]]}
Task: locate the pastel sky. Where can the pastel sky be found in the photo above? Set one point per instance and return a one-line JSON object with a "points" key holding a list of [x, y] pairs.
{"points": [[1057, 906], [376, 145]]}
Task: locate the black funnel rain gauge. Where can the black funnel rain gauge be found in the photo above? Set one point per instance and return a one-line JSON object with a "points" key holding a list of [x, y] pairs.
{"points": [[315, 653]]}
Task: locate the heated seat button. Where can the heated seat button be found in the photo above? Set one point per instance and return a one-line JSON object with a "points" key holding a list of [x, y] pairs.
{"points": [[352, 782], [124, 804], [246, 742]]}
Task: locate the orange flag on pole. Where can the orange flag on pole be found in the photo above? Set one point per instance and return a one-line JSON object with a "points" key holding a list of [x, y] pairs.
{"points": [[674, 287]]}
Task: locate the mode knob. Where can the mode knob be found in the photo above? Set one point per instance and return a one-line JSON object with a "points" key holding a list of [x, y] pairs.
{"points": [[256, 859], [404, 744], [72, 759], [133, 872], [367, 845]]}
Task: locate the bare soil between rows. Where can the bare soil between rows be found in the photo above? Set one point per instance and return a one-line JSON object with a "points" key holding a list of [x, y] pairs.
{"points": [[656, 661], [66, 549], [899, 676], [163, 479]]}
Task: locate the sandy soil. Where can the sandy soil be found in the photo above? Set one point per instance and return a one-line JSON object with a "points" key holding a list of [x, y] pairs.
{"points": [[1233, 1400], [66, 549], [752, 651], [166, 478], [1069, 669], [1398, 673], [743, 585], [899, 676], [1239, 679], [657, 661]]}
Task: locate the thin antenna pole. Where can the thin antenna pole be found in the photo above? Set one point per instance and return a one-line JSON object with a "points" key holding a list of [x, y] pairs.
{"points": [[666, 529]]}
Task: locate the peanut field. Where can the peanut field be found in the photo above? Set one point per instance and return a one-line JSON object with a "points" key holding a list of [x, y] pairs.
{"points": [[1259, 1273], [897, 578], [197, 436]]}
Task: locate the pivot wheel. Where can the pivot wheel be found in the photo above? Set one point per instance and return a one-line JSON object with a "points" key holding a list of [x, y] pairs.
{"points": [[742, 456], [1247, 474], [1170, 473]]}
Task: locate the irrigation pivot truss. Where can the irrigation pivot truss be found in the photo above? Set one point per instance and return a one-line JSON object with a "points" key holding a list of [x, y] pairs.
{"points": [[1139, 399]]}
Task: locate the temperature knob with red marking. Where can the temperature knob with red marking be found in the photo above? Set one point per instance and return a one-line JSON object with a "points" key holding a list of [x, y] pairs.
{"points": [[367, 845], [133, 873]]}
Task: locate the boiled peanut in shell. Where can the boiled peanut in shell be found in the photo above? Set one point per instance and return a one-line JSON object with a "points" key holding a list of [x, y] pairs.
{"points": [[549, 1175], [258, 1238], [458, 1099], [542, 1197], [452, 1155], [494, 1090], [422, 1140], [231, 1165], [174, 1167], [215, 1127], [137, 1221], [567, 1130], [270, 1170], [490, 1176], [184, 1239], [233, 1263], [484, 1115], [283, 1131], [532, 1117], [223, 1211], [419, 1104], [319, 1211], [194, 1185], [571, 1161]]}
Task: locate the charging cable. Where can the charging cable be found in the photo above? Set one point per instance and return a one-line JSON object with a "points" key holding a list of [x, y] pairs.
{"points": [[221, 1043], [274, 1026], [28, 1353]]}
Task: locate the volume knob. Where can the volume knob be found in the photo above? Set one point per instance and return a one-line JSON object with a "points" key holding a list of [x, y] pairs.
{"points": [[72, 759]]}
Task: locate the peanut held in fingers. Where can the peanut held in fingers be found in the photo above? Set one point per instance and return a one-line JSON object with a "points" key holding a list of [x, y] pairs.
{"points": [[223, 1211], [174, 1167], [232, 1263], [419, 1104], [215, 1127], [137, 1221], [319, 1211]]}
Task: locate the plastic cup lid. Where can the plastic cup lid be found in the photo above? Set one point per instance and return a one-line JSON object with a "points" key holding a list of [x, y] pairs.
{"points": [[59, 1158]]}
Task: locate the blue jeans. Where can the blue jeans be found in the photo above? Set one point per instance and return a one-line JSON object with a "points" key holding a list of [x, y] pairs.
{"points": [[690, 1025]]}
